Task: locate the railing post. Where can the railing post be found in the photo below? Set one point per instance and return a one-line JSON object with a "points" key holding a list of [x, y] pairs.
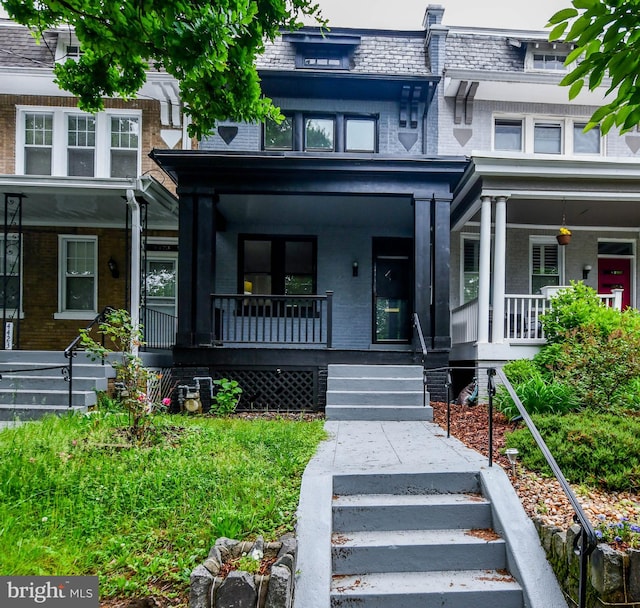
{"points": [[448, 385], [70, 356], [329, 318], [617, 298], [583, 552], [491, 390]]}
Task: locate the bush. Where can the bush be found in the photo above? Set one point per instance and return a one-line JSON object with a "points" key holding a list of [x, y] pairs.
{"points": [[597, 449], [521, 370], [538, 397]]}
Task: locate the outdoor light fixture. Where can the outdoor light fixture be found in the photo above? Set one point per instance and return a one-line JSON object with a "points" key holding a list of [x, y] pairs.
{"points": [[113, 268], [512, 455], [586, 269], [354, 268]]}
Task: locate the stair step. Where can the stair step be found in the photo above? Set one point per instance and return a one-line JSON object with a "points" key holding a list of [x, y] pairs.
{"points": [[46, 397], [50, 382], [392, 397], [375, 384], [449, 482], [379, 412], [450, 589], [80, 370], [35, 412], [375, 371], [415, 512], [410, 550]]}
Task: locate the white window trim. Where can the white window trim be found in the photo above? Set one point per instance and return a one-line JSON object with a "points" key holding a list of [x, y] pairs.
{"points": [[60, 126], [546, 240], [528, 141], [547, 48], [75, 314], [465, 236]]}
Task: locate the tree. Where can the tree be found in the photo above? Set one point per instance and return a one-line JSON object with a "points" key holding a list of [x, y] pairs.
{"points": [[607, 38], [210, 47]]}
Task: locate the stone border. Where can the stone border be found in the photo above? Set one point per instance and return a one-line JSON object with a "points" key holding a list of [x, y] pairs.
{"points": [[613, 578], [239, 588]]}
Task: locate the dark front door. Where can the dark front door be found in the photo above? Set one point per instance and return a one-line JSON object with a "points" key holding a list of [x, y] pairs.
{"points": [[392, 290], [615, 273]]}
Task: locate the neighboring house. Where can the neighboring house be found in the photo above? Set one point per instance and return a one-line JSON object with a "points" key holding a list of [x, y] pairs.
{"points": [[84, 208], [321, 236], [532, 170]]}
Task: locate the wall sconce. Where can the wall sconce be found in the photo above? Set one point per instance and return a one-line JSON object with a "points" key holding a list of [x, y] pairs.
{"points": [[113, 268], [512, 455], [354, 269], [586, 269]]}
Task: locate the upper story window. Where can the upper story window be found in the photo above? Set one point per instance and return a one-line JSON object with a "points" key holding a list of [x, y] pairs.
{"points": [[322, 50], [530, 134], [549, 61], [547, 56], [322, 133], [63, 141]]}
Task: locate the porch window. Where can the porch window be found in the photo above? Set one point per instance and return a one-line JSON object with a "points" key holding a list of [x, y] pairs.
{"points": [[81, 150], [38, 143], [319, 134], [545, 265], [585, 143], [124, 146], [508, 135], [470, 268], [10, 285], [547, 138], [278, 265], [78, 285], [278, 136]]}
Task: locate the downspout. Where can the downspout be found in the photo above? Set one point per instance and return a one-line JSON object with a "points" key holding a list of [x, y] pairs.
{"points": [[136, 232]]}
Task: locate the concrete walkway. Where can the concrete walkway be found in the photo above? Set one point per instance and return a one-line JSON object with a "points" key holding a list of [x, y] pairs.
{"points": [[408, 447]]}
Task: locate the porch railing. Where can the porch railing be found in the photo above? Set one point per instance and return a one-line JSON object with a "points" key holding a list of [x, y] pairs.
{"points": [[464, 323], [159, 328], [269, 319]]}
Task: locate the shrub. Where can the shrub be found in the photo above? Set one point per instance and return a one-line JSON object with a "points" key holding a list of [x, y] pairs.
{"points": [[226, 399], [538, 397], [521, 370], [598, 449]]}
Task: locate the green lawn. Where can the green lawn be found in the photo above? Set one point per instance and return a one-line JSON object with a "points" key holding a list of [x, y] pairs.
{"points": [[73, 504]]}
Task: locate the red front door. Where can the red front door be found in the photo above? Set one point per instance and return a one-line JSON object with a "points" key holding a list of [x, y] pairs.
{"points": [[615, 273]]}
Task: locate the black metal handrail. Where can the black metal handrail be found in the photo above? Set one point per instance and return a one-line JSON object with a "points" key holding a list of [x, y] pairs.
{"points": [[423, 347], [586, 540], [70, 351], [159, 328]]}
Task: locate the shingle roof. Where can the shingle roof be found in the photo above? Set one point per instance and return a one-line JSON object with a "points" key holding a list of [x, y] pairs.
{"points": [[383, 53], [20, 49], [482, 52]]}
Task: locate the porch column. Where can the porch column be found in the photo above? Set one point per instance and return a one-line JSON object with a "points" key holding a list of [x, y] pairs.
{"points": [[422, 264], [499, 262], [196, 265], [484, 278], [441, 273]]}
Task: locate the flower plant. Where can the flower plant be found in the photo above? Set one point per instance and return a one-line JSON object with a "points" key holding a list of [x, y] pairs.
{"points": [[621, 531]]}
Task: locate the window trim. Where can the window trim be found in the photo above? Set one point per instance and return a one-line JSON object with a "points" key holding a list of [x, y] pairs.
{"points": [[548, 49], [59, 163], [63, 313], [546, 240], [466, 236]]}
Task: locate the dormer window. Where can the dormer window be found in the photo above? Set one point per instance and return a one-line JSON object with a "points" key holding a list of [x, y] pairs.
{"points": [[323, 51], [549, 61], [547, 56]]}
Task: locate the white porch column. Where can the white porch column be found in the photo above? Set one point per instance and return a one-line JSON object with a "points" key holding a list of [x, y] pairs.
{"points": [[499, 262], [484, 278]]}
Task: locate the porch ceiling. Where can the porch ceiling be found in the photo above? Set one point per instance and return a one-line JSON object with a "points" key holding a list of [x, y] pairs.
{"points": [[312, 210]]}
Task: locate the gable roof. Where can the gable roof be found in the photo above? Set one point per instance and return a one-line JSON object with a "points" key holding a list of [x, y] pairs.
{"points": [[476, 51], [20, 49]]}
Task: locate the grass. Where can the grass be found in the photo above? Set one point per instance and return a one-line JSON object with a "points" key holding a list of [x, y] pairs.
{"points": [[73, 504]]}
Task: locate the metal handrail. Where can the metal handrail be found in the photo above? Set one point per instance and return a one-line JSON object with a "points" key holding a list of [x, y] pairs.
{"points": [[586, 540], [70, 351], [423, 345]]}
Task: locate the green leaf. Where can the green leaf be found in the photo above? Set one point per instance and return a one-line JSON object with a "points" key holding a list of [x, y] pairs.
{"points": [[575, 89], [557, 31], [586, 4], [563, 15]]}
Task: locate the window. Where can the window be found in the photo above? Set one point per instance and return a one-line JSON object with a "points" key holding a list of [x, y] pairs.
{"points": [[585, 143], [38, 143], [549, 61], [508, 135], [319, 134], [360, 135], [547, 138], [81, 150], [10, 284], [278, 136], [277, 265], [124, 146], [65, 142], [545, 264], [470, 268], [78, 285]]}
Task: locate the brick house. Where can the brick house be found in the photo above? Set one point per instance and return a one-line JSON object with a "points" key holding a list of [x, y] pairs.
{"points": [[83, 202]]}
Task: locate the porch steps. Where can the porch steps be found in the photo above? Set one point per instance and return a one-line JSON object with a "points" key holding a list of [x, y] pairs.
{"points": [[417, 539], [32, 384], [376, 392]]}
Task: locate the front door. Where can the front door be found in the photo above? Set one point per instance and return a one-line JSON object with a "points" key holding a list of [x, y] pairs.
{"points": [[615, 273], [392, 290], [161, 302]]}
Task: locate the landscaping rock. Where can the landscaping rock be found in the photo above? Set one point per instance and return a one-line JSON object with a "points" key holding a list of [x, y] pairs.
{"points": [[607, 573], [200, 589], [237, 591], [279, 594], [634, 575]]}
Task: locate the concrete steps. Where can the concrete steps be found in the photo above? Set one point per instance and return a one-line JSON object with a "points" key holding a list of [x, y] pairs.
{"points": [[417, 539], [32, 383], [376, 392]]}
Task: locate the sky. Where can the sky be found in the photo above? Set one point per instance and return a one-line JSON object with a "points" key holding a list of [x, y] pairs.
{"points": [[408, 14]]}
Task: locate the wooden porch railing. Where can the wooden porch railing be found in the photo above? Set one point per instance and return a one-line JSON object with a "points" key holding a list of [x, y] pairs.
{"points": [[269, 319], [464, 323]]}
